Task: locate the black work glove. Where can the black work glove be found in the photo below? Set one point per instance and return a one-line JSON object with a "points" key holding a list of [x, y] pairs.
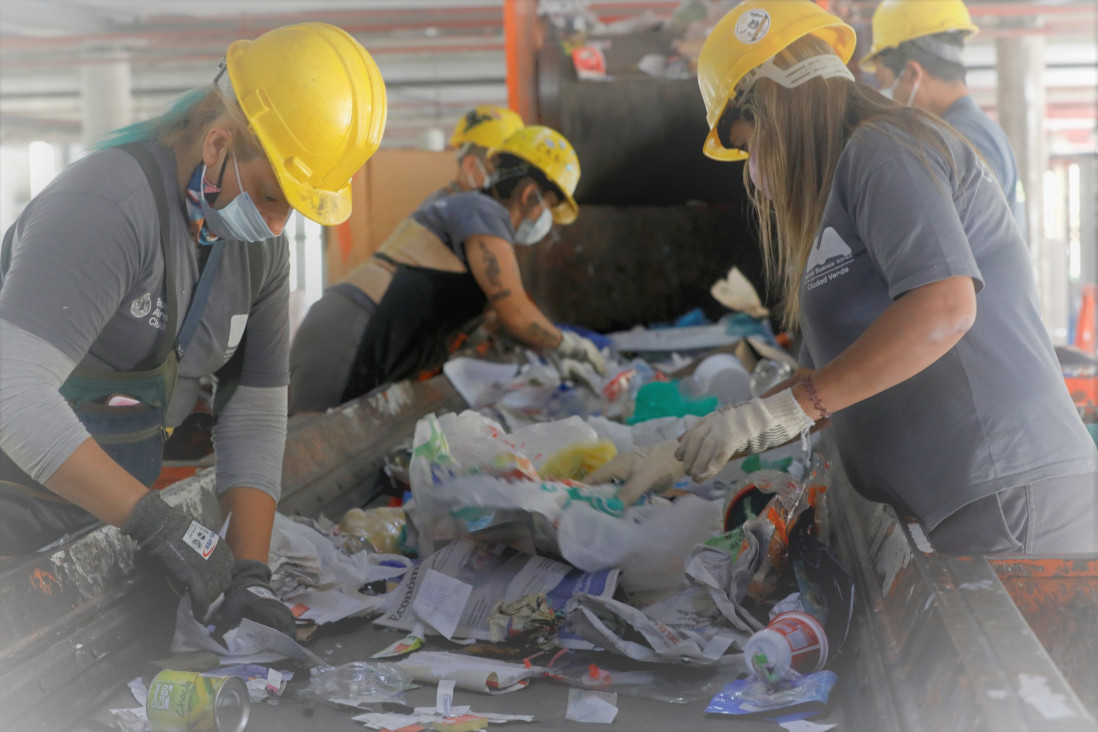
{"points": [[251, 597], [194, 557]]}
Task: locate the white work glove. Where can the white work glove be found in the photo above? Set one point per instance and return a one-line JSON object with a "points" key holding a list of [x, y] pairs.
{"points": [[751, 427], [644, 469], [574, 347]]}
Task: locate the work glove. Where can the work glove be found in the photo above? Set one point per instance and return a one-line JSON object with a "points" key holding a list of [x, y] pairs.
{"points": [[574, 347], [250, 596], [748, 427], [194, 557], [644, 469]]}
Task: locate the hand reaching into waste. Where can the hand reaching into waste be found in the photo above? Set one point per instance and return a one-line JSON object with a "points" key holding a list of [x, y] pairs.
{"points": [[250, 596], [644, 469], [747, 427], [194, 557], [574, 347]]}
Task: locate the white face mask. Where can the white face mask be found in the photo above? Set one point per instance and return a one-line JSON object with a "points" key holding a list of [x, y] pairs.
{"points": [[890, 92], [240, 219], [473, 186], [531, 232]]}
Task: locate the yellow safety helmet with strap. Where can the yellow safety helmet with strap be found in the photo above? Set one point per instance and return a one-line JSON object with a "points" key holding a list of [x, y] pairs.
{"points": [[487, 126], [899, 21], [548, 151], [749, 36], [316, 101]]}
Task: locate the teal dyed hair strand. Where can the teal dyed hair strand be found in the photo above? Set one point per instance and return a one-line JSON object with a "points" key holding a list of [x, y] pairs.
{"points": [[151, 129]]}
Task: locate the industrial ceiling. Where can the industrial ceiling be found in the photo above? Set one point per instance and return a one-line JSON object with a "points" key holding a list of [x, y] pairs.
{"points": [[437, 57]]}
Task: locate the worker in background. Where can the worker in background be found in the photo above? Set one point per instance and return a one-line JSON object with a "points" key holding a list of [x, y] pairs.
{"points": [[478, 131], [395, 315], [922, 341], [917, 58], [157, 260]]}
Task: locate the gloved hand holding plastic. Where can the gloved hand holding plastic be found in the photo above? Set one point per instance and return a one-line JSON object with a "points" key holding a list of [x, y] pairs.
{"points": [[574, 347], [250, 596], [644, 469], [752, 426], [194, 557]]}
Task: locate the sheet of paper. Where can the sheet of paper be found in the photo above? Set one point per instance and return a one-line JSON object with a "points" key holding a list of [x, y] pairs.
{"points": [[440, 601], [474, 379], [591, 707], [328, 606], [444, 698], [803, 725], [494, 572]]}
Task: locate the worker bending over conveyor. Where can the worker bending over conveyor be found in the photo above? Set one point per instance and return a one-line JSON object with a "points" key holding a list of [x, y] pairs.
{"points": [[395, 315]]}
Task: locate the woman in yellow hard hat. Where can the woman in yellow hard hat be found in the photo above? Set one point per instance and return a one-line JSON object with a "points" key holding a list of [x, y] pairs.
{"points": [[899, 262], [479, 130], [396, 314], [159, 260]]}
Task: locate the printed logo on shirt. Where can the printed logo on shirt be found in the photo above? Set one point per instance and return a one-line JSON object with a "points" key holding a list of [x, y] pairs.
{"points": [[140, 307], [157, 320], [236, 331], [829, 259]]}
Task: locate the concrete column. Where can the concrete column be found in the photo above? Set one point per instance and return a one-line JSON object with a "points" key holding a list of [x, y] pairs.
{"points": [[1022, 111], [106, 101]]}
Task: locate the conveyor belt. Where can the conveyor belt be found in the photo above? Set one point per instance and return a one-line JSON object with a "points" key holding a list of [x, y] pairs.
{"points": [[937, 643]]}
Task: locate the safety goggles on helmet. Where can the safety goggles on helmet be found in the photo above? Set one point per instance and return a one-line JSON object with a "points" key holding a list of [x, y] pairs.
{"points": [[824, 66]]}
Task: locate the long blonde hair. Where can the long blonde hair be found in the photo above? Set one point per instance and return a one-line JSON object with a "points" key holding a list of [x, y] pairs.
{"points": [[799, 135]]}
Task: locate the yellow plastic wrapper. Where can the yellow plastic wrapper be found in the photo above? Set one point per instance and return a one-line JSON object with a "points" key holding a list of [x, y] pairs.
{"points": [[576, 461], [379, 526]]}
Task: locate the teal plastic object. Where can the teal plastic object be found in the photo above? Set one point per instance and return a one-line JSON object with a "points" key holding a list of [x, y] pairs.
{"points": [[1093, 430], [664, 399]]}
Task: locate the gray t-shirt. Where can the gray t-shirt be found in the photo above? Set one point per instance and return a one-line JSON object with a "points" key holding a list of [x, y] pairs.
{"points": [[87, 277], [992, 142], [993, 412]]}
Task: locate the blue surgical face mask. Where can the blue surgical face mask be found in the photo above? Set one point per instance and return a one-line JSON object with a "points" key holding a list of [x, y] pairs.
{"points": [[531, 232], [240, 219]]}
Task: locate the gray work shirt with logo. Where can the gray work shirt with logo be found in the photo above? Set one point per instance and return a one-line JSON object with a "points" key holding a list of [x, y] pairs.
{"points": [[87, 277], [994, 411], [992, 142]]}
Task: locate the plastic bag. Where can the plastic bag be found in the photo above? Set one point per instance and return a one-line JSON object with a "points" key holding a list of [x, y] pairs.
{"points": [[379, 526], [576, 461], [649, 544], [752, 695]]}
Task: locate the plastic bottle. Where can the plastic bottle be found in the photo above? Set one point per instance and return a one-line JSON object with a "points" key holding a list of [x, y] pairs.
{"points": [[793, 641]]}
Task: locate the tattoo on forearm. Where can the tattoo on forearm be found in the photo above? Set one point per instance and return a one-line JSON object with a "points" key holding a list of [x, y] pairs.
{"points": [[536, 333], [501, 295], [491, 264]]}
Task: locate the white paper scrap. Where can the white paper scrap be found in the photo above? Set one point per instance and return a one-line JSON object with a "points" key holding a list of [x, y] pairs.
{"points": [[444, 697], [131, 720], [139, 691], [803, 725], [440, 601], [473, 379], [592, 707]]}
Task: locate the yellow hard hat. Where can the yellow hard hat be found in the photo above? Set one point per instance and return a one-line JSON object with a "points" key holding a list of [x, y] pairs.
{"points": [[897, 21], [316, 101], [487, 126], [749, 35], [548, 151]]}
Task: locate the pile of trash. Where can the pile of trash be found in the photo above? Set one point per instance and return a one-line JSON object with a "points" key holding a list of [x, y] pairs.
{"points": [[503, 544]]}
